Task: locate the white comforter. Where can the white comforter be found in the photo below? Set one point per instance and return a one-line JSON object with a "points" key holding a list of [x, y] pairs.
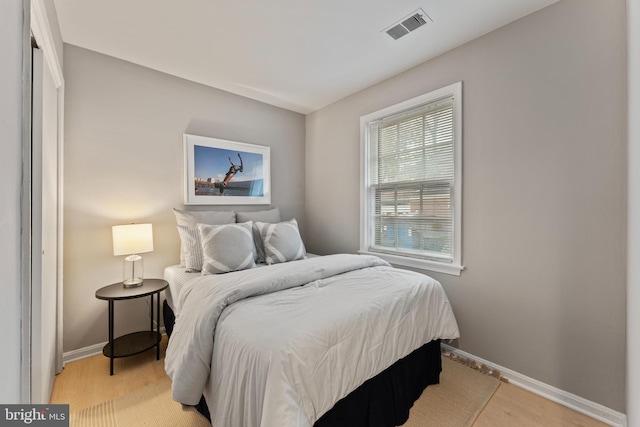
{"points": [[292, 339]]}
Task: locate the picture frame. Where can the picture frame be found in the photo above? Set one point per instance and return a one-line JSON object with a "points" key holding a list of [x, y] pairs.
{"points": [[222, 172]]}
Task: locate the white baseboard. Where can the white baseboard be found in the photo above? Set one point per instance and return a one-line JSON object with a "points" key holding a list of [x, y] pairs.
{"points": [[85, 352], [570, 400], [82, 353]]}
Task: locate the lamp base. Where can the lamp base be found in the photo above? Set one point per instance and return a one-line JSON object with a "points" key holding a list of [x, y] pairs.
{"points": [[132, 283], [133, 271]]}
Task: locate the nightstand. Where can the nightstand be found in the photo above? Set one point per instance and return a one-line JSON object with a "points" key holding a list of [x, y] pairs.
{"points": [[136, 342]]}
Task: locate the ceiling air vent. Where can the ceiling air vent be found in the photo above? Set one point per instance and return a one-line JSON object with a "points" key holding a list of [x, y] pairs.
{"points": [[408, 24]]}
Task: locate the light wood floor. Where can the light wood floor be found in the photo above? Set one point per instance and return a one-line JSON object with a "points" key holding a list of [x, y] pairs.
{"points": [[87, 382]]}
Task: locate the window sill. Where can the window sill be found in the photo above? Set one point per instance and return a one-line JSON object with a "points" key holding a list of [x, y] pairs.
{"points": [[422, 264]]}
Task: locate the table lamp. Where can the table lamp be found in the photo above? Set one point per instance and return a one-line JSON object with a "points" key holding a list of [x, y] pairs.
{"points": [[131, 240]]}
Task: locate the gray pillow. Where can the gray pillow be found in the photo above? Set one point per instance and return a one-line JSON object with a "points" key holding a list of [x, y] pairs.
{"points": [[227, 247], [184, 217], [193, 218], [282, 241], [190, 241], [270, 216]]}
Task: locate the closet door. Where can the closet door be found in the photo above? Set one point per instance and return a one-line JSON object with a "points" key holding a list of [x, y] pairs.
{"points": [[44, 230]]}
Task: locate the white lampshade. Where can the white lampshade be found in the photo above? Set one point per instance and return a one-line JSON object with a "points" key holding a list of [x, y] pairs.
{"points": [[131, 240]]}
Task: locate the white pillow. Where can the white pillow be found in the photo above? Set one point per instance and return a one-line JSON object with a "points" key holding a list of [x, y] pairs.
{"points": [[270, 215], [282, 241], [227, 247], [204, 217], [193, 218], [190, 240]]}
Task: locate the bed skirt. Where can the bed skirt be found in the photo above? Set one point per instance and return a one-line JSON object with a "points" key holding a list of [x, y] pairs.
{"points": [[382, 401]]}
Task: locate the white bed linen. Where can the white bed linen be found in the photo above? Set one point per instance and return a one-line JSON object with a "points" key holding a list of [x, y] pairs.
{"points": [[177, 276], [285, 353]]}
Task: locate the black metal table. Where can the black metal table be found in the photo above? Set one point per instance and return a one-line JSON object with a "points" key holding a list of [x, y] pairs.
{"points": [[135, 342]]}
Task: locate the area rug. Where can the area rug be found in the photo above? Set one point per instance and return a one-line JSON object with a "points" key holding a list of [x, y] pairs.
{"points": [[150, 406], [455, 402]]}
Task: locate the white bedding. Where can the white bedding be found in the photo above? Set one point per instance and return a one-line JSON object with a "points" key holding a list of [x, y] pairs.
{"points": [[292, 339], [177, 276]]}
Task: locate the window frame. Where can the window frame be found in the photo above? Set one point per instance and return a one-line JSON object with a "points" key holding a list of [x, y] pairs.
{"points": [[454, 267]]}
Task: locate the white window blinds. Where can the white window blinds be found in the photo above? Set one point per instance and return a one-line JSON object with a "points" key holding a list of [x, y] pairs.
{"points": [[411, 184]]}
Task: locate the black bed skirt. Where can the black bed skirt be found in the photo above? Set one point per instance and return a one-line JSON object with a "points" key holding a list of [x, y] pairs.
{"points": [[382, 401]]}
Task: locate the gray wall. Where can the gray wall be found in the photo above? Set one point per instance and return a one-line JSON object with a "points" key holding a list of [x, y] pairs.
{"points": [[10, 175], [123, 163], [544, 187]]}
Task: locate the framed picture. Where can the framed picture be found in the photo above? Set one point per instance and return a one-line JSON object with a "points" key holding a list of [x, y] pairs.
{"points": [[221, 172]]}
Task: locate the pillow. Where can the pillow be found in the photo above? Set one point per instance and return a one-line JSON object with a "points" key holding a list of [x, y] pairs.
{"points": [[190, 240], [227, 247], [193, 218], [271, 216], [204, 217], [282, 241]]}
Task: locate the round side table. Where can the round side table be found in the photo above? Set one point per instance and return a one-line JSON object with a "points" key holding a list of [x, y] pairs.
{"points": [[135, 342]]}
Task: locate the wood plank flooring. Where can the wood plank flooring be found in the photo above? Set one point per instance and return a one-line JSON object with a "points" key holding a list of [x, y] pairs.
{"points": [[512, 406], [87, 382]]}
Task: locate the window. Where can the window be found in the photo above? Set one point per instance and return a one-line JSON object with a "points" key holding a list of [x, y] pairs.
{"points": [[412, 180]]}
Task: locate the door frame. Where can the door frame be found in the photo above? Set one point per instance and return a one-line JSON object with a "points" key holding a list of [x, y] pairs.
{"points": [[36, 24]]}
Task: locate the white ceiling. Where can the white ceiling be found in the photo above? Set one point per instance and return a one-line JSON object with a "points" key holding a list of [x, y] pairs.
{"points": [[297, 54]]}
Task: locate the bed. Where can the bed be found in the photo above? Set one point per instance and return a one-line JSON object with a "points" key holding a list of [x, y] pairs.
{"points": [[338, 340]]}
